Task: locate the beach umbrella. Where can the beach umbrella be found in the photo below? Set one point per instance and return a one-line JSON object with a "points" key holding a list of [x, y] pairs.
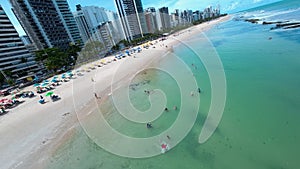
{"points": [[46, 81], [3, 100], [70, 73], [63, 76], [49, 93], [36, 85], [53, 80], [45, 84]]}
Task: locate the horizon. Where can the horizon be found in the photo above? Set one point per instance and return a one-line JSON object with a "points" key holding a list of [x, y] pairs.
{"points": [[226, 6]]}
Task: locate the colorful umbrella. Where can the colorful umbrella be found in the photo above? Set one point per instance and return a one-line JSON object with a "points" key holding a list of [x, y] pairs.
{"points": [[36, 85], [45, 84], [49, 93]]}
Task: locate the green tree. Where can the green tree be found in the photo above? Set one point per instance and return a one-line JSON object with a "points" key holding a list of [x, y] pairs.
{"points": [[11, 82], [53, 58], [90, 51]]}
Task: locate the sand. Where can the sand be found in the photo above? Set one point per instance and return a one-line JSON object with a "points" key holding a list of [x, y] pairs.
{"points": [[31, 132]]}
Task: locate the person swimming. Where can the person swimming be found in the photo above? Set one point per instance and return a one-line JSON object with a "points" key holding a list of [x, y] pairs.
{"points": [[175, 107], [149, 125]]}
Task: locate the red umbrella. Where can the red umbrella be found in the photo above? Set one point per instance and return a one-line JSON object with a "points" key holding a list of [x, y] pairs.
{"points": [[3, 100]]}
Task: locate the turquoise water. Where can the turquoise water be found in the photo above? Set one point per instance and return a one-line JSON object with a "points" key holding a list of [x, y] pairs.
{"points": [[260, 124]]}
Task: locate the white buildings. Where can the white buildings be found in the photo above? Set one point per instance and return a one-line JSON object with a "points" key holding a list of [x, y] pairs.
{"points": [[99, 24]]}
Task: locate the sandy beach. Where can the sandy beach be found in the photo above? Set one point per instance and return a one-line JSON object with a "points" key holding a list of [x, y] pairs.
{"points": [[31, 132]]}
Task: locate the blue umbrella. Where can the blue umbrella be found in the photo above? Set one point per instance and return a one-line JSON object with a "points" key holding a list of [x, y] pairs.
{"points": [[70, 73], [36, 78], [63, 76], [46, 81], [36, 85], [53, 80], [45, 84]]}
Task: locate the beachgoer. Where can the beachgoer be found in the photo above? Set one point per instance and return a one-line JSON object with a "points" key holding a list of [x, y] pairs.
{"points": [[175, 107], [199, 90], [166, 109], [149, 125], [97, 96], [41, 97], [192, 93], [92, 79], [168, 137]]}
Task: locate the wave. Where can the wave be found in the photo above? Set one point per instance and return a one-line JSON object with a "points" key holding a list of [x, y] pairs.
{"points": [[282, 19]]}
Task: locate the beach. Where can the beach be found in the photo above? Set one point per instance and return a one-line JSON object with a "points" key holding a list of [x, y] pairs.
{"points": [[31, 132]]}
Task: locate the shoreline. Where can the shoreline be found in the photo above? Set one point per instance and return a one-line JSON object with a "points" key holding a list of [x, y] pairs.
{"points": [[57, 122]]}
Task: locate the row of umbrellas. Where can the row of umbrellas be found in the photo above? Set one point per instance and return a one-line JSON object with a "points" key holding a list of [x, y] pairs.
{"points": [[55, 79]]}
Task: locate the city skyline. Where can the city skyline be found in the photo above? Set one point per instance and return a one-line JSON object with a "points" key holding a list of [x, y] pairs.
{"points": [[227, 6]]}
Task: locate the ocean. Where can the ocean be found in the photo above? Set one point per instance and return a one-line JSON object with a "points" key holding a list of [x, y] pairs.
{"points": [[260, 123]]}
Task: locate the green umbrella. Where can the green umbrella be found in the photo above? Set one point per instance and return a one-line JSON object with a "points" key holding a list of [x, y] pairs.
{"points": [[49, 93]]}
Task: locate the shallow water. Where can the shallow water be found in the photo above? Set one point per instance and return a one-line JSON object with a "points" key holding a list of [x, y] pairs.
{"points": [[260, 124]]}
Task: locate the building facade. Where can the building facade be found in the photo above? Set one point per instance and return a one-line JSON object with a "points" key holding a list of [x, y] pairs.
{"points": [[165, 18], [48, 23], [15, 60], [82, 24], [132, 18], [151, 20], [98, 24], [68, 20]]}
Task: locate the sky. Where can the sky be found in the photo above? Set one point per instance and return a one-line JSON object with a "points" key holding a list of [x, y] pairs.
{"points": [[227, 6]]}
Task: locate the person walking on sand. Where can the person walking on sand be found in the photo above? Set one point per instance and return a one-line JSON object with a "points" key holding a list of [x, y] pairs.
{"points": [[96, 96]]}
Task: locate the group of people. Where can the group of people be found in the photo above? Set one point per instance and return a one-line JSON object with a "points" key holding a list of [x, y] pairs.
{"points": [[53, 98]]}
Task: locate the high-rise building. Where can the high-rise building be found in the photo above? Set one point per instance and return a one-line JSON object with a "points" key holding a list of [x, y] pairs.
{"points": [[165, 17], [68, 20], [151, 19], [82, 24], [15, 60], [92, 20], [132, 18], [116, 24], [88, 19], [48, 23], [98, 24], [94, 15]]}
